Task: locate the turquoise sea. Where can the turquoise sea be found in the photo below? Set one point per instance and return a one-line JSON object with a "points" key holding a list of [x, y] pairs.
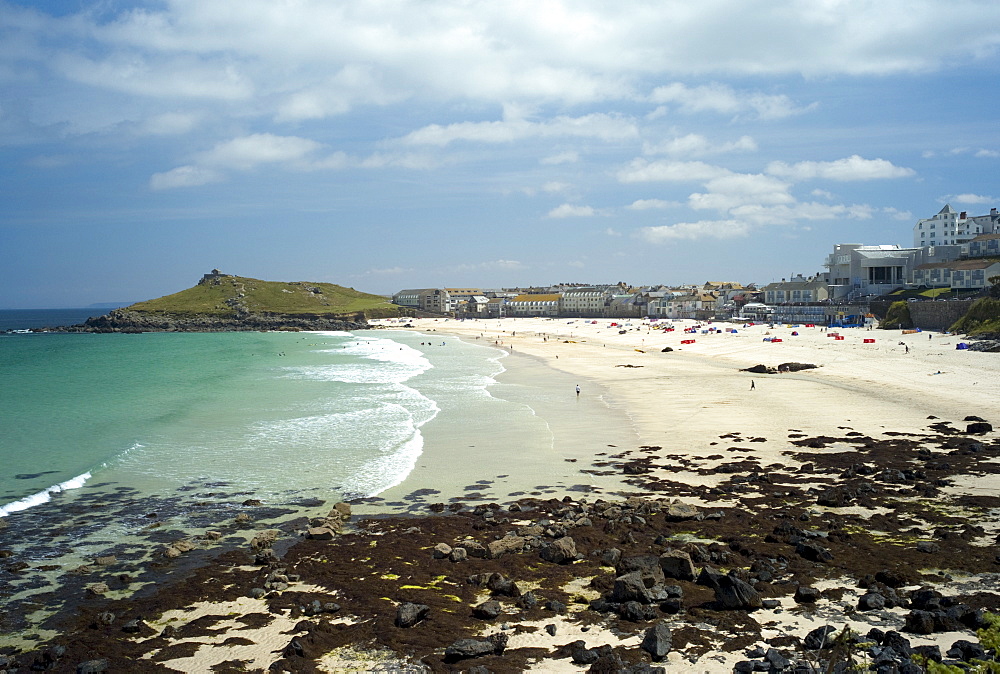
{"points": [[120, 443]]}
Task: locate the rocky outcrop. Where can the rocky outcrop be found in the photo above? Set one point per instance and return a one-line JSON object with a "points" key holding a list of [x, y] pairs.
{"points": [[123, 320]]}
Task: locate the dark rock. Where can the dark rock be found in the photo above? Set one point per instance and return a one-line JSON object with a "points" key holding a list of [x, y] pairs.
{"points": [[98, 666], [898, 643], [474, 648], [819, 638], [584, 656], [671, 606], [932, 652], [528, 600], [611, 557], [550, 630], [777, 661], [561, 551], [733, 593], [630, 587], [836, 497], [813, 551], [806, 595], [409, 614], [677, 564], [488, 610], [978, 428], [648, 567], [892, 578], [709, 577], [633, 611], [498, 584], [556, 606], [928, 546], [871, 601], [966, 651], [657, 641], [919, 622], [133, 626]]}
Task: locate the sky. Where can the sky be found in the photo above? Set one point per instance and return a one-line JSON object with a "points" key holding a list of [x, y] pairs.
{"points": [[384, 144]]}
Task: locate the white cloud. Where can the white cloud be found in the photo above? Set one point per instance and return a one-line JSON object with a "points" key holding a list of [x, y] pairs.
{"points": [[598, 126], [555, 186], [169, 124], [897, 214], [259, 148], [611, 231], [703, 229], [730, 191], [847, 169], [642, 170], [567, 157], [696, 145], [974, 199], [647, 204], [502, 264], [793, 213], [725, 100], [987, 154], [183, 176], [50, 161], [571, 211], [389, 271]]}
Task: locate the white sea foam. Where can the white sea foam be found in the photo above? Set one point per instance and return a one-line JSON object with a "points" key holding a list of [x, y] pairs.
{"points": [[43, 496], [398, 363]]}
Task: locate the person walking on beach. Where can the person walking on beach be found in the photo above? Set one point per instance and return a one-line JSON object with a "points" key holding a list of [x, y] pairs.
{"points": [[577, 390], [752, 387]]}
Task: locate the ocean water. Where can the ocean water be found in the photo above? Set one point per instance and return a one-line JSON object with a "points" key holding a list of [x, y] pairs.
{"points": [[28, 319], [117, 444], [332, 413]]}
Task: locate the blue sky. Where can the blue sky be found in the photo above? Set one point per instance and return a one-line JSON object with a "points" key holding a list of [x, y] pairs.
{"points": [[385, 145]]}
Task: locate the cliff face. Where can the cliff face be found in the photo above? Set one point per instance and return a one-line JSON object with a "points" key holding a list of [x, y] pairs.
{"points": [[123, 320]]}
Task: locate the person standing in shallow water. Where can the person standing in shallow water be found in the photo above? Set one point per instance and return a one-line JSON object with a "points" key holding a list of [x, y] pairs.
{"points": [[578, 390]]}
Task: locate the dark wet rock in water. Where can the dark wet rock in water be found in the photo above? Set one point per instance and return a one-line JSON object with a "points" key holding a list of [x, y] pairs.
{"points": [[409, 614]]}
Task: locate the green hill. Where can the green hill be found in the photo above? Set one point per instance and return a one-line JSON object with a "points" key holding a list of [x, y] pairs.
{"points": [[224, 296]]}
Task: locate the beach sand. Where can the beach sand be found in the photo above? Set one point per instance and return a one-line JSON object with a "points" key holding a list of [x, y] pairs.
{"points": [[684, 399]]}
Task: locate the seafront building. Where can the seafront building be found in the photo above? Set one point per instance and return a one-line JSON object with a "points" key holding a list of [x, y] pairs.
{"points": [[951, 251]]}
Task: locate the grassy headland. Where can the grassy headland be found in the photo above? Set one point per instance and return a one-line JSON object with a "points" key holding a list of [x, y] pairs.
{"points": [[231, 296]]}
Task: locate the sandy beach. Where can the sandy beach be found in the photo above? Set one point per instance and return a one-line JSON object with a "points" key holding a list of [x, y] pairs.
{"points": [[853, 493], [684, 399]]}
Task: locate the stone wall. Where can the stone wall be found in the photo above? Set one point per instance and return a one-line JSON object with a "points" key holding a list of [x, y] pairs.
{"points": [[932, 315]]}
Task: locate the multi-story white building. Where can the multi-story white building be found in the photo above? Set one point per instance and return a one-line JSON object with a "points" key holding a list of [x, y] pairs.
{"points": [[950, 227], [586, 301], [534, 305], [436, 300], [855, 271]]}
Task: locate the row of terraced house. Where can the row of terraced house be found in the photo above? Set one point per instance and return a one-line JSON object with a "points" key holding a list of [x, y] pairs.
{"points": [[951, 250], [596, 301]]}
